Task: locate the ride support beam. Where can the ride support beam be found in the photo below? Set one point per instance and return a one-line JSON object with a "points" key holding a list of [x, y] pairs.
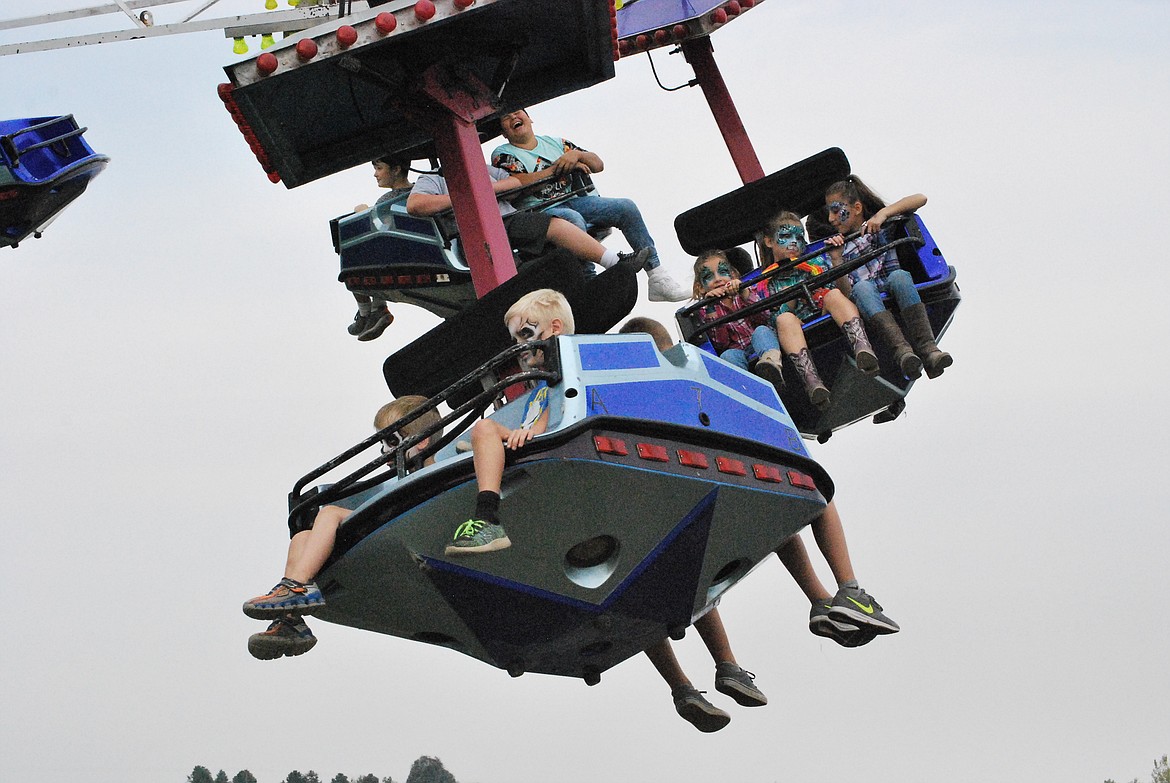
{"points": [[699, 53], [464, 100]]}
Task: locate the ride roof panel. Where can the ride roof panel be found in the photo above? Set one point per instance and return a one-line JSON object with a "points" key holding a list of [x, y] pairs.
{"points": [[353, 89]]}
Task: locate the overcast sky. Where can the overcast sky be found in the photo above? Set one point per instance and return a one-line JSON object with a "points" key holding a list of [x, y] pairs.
{"points": [[173, 356]]}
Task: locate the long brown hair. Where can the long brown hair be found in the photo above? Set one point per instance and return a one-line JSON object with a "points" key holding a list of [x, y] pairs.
{"points": [[853, 189]]}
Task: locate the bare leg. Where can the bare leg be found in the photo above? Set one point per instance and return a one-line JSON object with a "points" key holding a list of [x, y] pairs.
{"points": [[714, 635], [487, 444], [309, 549], [664, 660], [830, 536], [788, 329], [795, 558], [837, 305], [564, 234]]}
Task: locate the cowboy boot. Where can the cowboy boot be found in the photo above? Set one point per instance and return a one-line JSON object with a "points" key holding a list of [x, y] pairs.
{"points": [[768, 367], [886, 329], [922, 338], [859, 346], [818, 393]]}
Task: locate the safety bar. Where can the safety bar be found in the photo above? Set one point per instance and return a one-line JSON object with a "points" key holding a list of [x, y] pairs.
{"points": [[469, 411]]}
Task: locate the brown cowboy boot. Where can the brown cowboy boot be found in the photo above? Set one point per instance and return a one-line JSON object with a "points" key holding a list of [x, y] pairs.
{"points": [[818, 392], [922, 338], [859, 346], [886, 329]]}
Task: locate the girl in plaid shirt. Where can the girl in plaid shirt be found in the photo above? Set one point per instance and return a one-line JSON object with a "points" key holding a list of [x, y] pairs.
{"points": [[717, 279]]}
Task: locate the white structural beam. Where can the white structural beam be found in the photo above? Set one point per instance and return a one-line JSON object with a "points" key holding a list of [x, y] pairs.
{"points": [[270, 21]]}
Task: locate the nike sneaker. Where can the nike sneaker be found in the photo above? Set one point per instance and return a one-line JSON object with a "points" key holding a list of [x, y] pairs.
{"points": [[844, 634], [857, 607]]}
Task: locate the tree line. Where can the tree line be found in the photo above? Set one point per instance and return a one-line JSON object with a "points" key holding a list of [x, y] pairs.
{"points": [[426, 769]]}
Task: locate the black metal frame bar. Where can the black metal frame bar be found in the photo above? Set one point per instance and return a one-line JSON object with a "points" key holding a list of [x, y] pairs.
{"points": [[803, 289], [352, 484]]}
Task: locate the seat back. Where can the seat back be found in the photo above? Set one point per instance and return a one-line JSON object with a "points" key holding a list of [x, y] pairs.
{"points": [[462, 343]]}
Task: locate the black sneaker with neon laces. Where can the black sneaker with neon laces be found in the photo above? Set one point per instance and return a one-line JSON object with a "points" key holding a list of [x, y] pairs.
{"points": [[475, 536]]}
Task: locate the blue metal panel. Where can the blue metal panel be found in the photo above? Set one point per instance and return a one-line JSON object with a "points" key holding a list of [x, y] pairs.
{"points": [[931, 257], [759, 391], [683, 402], [618, 356]]}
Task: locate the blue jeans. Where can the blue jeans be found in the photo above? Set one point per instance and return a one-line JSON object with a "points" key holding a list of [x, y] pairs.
{"points": [[898, 283], [619, 213], [763, 339]]}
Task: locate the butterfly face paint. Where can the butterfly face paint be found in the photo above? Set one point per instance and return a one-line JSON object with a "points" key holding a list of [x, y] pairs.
{"points": [[715, 273], [789, 240]]}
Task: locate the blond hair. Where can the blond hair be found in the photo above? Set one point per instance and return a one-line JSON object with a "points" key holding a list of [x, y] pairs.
{"points": [[393, 411], [542, 306]]}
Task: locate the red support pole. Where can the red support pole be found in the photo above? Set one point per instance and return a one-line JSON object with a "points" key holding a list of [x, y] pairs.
{"points": [[481, 231], [699, 54]]}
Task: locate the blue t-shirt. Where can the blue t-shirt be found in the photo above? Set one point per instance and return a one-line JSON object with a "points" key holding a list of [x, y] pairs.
{"points": [[536, 406], [517, 160]]}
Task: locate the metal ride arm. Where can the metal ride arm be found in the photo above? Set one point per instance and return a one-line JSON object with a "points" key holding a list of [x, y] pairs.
{"points": [[465, 414]]}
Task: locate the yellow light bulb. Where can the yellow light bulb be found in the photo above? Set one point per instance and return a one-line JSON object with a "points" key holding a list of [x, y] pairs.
{"points": [[266, 41], [240, 46], [270, 5]]}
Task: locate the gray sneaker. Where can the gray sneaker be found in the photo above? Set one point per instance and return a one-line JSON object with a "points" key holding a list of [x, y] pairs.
{"points": [[360, 322], [700, 713], [854, 605], [287, 635], [475, 536], [739, 684], [844, 634], [377, 323]]}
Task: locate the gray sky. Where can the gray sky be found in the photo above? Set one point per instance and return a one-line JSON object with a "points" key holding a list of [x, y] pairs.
{"points": [[173, 356]]}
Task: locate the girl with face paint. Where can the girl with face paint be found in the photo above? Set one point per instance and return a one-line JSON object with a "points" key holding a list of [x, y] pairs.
{"points": [[717, 279], [852, 208], [783, 242]]}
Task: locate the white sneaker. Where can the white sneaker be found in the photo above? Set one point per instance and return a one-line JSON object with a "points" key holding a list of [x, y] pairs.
{"points": [[664, 288]]}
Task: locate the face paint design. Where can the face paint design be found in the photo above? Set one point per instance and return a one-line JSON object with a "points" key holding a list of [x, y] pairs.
{"points": [[710, 278], [790, 239], [840, 211], [528, 331]]}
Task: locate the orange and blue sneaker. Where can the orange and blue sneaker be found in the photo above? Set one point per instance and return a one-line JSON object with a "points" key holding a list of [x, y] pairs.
{"points": [[854, 606], [287, 635], [287, 596], [475, 536]]}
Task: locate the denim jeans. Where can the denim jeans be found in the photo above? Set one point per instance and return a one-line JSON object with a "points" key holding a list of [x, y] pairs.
{"points": [[763, 339], [900, 286], [619, 213]]}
